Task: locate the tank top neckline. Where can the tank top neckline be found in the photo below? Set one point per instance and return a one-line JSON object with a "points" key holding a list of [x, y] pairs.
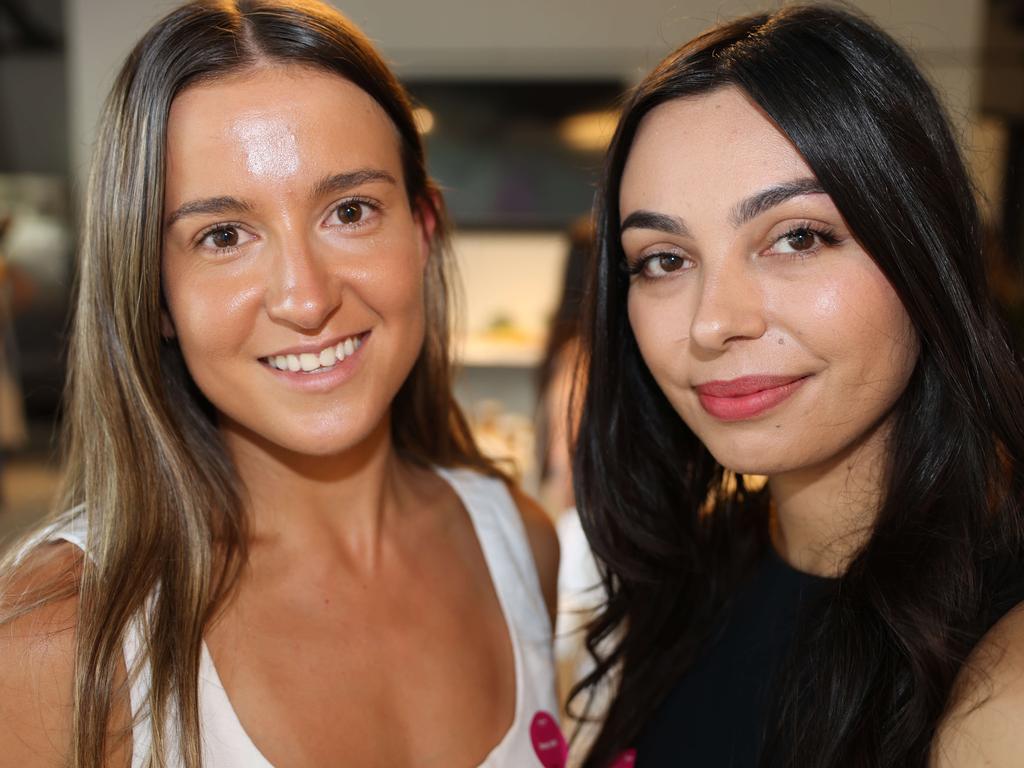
{"points": [[208, 669], [776, 562]]}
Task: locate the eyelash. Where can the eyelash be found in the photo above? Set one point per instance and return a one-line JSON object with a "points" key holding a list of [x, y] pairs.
{"points": [[638, 268], [373, 205], [826, 235]]}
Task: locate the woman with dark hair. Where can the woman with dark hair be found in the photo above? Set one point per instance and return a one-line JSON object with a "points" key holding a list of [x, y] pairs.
{"points": [[282, 546], [789, 283]]}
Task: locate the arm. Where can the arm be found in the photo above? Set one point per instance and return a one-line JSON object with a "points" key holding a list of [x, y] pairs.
{"points": [[984, 727], [540, 532], [37, 652]]}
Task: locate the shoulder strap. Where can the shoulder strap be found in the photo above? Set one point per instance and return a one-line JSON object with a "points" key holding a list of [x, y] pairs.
{"points": [[72, 526], [502, 536]]}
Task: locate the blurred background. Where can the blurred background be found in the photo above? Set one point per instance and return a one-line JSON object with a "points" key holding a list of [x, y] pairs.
{"points": [[517, 102]]}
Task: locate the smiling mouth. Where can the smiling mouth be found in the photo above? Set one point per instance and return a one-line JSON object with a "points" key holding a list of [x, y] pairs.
{"points": [[318, 361], [747, 397]]}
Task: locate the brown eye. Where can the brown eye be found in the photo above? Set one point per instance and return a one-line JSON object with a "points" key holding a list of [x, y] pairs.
{"points": [[660, 264], [350, 213], [224, 238], [670, 262], [801, 240]]}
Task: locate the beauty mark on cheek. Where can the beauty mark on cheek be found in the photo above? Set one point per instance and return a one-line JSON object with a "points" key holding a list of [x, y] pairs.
{"points": [[270, 147]]}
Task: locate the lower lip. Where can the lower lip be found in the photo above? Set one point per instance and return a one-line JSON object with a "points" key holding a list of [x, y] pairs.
{"points": [[748, 406], [322, 380]]}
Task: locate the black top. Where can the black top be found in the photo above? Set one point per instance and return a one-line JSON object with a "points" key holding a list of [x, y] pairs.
{"points": [[716, 714]]}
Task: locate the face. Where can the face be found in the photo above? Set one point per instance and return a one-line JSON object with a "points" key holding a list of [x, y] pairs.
{"points": [[293, 263], [770, 330]]}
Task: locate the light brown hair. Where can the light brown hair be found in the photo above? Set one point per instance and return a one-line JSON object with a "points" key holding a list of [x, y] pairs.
{"points": [[144, 459]]}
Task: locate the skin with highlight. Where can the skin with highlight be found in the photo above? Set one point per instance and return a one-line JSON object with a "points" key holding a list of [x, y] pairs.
{"points": [[283, 270], [270, 146]]}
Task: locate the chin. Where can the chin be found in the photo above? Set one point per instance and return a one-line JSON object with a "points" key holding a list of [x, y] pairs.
{"points": [[328, 440], [322, 438], [319, 448], [755, 459], [751, 467]]}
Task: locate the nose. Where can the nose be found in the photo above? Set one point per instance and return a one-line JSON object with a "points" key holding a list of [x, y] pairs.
{"points": [[730, 308], [302, 291]]}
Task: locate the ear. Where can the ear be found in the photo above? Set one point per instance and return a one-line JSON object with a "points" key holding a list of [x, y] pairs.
{"points": [[426, 219]]}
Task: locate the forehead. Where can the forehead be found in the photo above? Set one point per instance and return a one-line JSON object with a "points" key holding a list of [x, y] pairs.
{"points": [[276, 122], [713, 148]]}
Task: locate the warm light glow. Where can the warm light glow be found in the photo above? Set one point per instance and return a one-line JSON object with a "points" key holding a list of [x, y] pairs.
{"points": [[424, 119], [589, 131]]}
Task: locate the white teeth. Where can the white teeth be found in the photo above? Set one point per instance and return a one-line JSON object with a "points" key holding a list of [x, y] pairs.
{"points": [[309, 361]]}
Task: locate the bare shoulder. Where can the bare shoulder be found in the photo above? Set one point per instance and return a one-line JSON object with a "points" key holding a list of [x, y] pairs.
{"points": [[37, 649], [983, 726], [540, 532]]}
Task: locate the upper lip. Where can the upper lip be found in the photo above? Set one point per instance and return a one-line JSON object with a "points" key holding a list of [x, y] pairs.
{"points": [[744, 385], [312, 347]]}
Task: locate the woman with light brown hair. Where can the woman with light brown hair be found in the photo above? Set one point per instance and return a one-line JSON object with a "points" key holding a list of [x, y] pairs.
{"points": [[282, 545]]}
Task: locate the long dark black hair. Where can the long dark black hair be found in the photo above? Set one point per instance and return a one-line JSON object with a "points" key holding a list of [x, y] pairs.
{"points": [[878, 661]]}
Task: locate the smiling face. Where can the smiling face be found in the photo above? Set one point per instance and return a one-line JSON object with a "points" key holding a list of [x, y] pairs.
{"points": [[772, 333], [293, 264]]}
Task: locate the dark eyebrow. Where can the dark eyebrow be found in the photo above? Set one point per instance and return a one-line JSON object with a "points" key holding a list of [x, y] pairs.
{"points": [[208, 205], [342, 182], [662, 222], [757, 204], [333, 184]]}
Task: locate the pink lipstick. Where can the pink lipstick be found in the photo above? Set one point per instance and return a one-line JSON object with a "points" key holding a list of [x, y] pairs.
{"points": [[746, 397]]}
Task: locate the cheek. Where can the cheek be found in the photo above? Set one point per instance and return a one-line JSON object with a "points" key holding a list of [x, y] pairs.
{"points": [[210, 314], [393, 284], [854, 323], [661, 325], [874, 329], [891, 345]]}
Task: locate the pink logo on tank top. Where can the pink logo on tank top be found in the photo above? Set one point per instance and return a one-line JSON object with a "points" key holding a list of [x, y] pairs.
{"points": [[548, 741], [552, 749]]}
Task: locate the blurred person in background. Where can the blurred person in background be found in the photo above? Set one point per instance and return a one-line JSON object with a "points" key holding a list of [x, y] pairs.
{"points": [[578, 580], [276, 542], [790, 283]]}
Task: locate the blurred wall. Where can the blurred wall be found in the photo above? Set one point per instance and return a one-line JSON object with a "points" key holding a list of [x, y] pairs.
{"points": [[32, 84], [32, 90], [525, 39]]}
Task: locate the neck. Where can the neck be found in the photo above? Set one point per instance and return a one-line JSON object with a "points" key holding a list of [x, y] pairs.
{"points": [[824, 514], [342, 500]]}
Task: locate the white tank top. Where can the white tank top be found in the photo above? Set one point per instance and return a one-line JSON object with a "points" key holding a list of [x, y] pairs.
{"points": [[499, 529]]}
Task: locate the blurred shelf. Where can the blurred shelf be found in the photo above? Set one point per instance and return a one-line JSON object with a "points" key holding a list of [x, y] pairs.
{"points": [[476, 352]]}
